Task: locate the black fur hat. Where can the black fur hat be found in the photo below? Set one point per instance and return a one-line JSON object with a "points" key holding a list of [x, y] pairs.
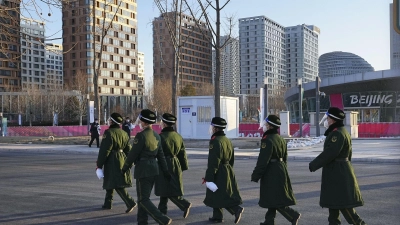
{"points": [[336, 114], [218, 122]]}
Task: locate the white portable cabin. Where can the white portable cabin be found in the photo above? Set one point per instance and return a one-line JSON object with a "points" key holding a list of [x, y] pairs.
{"points": [[195, 114]]}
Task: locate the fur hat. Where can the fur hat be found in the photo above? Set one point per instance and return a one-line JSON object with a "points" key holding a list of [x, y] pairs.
{"points": [[336, 114], [218, 122], [147, 116], [273, 121], [168, 118], [116, 118]]}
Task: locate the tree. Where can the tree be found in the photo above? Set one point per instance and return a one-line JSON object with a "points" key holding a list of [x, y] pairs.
{"points": [[188, 90], [215, 40], [159, 96], [80, 86]]}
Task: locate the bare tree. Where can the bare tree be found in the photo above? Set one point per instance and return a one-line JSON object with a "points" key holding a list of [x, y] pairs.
{"points": [[215, 40], [171, 12], [160, 95], [78, 103]]}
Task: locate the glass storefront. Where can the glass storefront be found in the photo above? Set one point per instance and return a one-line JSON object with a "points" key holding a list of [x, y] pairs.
{"points": [[374, 106]]}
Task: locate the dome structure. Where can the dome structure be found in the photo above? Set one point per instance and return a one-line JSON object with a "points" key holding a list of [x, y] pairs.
{"points": [[335, 64]]}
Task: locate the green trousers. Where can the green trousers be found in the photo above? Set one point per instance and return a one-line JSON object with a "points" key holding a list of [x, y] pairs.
{"points": [[349, 214], [146, 208], [129, 202], [287, 212], [177, 200], [218, 213]]}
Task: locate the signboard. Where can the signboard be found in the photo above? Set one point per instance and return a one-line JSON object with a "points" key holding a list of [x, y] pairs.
{"points": [[185, 110], [193, 113], [371, 99], [396, 15]]}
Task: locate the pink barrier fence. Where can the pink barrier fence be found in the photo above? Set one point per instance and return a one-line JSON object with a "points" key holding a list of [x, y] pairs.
{"points": [[245, 130], [61, 131], [364, 130]]}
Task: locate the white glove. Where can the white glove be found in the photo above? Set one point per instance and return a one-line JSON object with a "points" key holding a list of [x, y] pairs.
{"points": [[99, 173], [212, 186]]}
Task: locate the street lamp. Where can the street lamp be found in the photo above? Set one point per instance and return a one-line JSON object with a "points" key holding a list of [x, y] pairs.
{"points": [[317, 104], [299, 83], [265, 97]]}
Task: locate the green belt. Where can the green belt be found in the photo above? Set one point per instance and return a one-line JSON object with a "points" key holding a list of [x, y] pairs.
{"points": [[276, 160]]}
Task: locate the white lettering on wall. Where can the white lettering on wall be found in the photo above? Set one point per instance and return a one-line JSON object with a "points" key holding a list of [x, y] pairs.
{"points": [[371, 99]]}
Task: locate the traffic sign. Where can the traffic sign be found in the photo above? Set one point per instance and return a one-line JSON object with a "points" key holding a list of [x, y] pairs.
{"points": [[396, 15]]}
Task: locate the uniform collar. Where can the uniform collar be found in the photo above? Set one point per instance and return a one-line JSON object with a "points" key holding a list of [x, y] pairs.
{"points": [[167, 129], [333, 127], [218, 133], [114, 126]]}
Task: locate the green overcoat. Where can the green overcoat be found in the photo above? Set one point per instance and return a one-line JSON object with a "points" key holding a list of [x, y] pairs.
{"points": [[275, 186], [220, 171], [339, 187], [147, 154], [175, 155], [112, 155]]}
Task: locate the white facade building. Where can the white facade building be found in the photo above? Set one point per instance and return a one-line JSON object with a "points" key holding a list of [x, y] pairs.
{"points": [[230, 67], [301, 54], [33, 62], [262, 54], [394, 44], [54, 66]]}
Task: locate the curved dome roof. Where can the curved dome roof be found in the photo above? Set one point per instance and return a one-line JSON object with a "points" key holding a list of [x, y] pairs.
{"points": [[334, 64]]}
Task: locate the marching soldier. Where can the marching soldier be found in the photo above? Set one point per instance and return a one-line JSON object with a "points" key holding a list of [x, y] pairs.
{"points": [[175, 155], [276, 192], [94, 132], [220, 179], [112, 154], [339, 187], [147, 154]]}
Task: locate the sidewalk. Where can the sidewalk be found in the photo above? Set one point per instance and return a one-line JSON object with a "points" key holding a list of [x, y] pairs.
{"points": [[364, 150]]}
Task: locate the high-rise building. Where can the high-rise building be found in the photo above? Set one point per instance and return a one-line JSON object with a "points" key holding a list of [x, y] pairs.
{"points": [[301, 54], [262, 55], [141, 75], [196, 52], [54, 66], [10, 55], [230, 67], [113, 33], [33, 55], [394, 43]]}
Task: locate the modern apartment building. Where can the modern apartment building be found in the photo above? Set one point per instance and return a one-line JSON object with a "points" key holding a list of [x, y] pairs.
{"points": [[10, 55], [262, 55], [112, 31], [33, 55], [141, 74], [54, 66], [394, 43], [230, 67], [195, 67], [301, 54]]}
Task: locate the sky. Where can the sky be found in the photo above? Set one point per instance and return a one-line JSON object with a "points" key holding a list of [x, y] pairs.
{"points": [[357, 26]]}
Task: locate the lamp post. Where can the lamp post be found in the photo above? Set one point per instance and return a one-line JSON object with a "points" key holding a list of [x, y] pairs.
{"points": [[317, 104], [299, 83], [88, 111], [265, 97]]}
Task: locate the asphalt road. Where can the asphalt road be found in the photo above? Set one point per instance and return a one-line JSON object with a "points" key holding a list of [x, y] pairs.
{"points": [[62, 188]]}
